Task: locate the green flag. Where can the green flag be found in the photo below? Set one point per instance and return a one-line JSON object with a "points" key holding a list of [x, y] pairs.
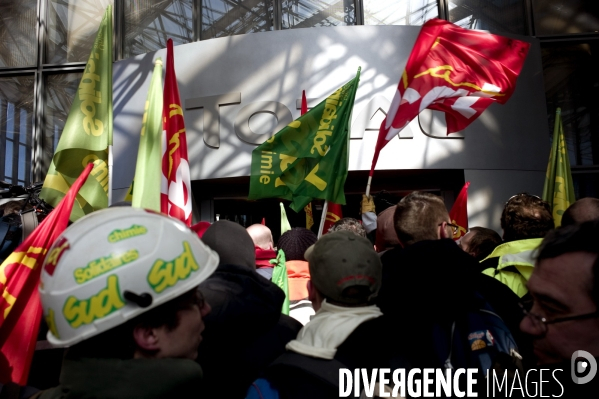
{"points": [[87, 132], [285, 226], [558, 190], [146, 190], [279, 277], [309, 157]]}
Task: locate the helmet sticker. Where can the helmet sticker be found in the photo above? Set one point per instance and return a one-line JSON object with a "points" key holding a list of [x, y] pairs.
{"points": [[51, 323], [165, 274], [133, 231], [58, 249], [85, 311], [103, 265]]}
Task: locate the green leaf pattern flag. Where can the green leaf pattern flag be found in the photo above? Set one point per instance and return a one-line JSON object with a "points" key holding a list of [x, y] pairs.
{"points": [[558, 189], [146, 190], [285, 226], [279, 277], [309, 157], [87, 132]]}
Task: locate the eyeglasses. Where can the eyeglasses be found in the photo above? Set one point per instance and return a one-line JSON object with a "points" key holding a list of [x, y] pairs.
{"points": [[454, 228], [541, 323]]}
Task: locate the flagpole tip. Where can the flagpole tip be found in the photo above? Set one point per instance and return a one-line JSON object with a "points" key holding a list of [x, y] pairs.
{"points": [[158, 61]]}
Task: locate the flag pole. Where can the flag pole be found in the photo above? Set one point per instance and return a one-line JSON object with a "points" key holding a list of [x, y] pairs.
{"points": [[109, 174], [368, 186], [325, 208]]}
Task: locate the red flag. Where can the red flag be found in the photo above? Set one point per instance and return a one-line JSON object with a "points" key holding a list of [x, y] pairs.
{"points": [[20, 307], [304, 108], [456, 71], [459, 212], [175, 190], [334, 213]]}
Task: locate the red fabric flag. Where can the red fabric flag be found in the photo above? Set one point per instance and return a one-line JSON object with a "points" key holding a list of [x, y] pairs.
{"points": [[20, 307], [456, 71], [304, 108], [334, 213], [459, 212], [175, 189]]}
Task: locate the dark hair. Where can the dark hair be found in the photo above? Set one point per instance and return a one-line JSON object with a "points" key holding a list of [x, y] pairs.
{"points": [[483, 242], [582, 237], [349, 224], [14, 207], [417, 217], [583, 210], [119, 343], [526, 216], [294, 242]]}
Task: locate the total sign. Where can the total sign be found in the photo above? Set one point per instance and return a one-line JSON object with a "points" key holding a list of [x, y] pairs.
{"points": [[238, 91]]}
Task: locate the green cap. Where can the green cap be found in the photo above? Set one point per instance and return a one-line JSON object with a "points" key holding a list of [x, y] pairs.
{"points": [[340, 260]]}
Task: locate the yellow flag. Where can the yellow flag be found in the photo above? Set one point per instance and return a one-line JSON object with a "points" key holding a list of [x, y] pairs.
{"points": [[558, 190]]}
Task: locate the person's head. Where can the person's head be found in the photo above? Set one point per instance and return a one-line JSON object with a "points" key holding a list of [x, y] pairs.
{"points": [[344, 269], [526, 216], [386, 237], [14, 207], [261, 236], [232, 243], [583, 210], [480, 242], [349, 224], [121, 282], [563, 316], [295, 242], [421, 216]]}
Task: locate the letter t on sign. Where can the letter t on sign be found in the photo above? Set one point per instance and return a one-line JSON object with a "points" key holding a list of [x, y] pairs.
{"points": [[211, 120]]}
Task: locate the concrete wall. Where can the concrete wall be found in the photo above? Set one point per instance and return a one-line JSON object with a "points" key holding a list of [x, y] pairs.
{"points": [[258, 78]]}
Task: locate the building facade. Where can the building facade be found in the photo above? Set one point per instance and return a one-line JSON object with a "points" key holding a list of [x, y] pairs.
{"points": [[236, 60]]}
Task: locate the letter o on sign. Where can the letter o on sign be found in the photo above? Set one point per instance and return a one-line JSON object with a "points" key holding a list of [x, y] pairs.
{"points": [[242, 120]]}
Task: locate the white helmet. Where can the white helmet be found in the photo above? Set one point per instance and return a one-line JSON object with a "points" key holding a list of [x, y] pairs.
{"points": [[115, 264]]}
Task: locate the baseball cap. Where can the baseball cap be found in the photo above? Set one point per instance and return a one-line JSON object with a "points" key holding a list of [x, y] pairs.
{"points": [[340, 260]]}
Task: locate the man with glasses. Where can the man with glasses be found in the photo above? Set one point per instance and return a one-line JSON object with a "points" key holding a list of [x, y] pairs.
{"points": [[525, 220], [429, 282], [562, 316]]}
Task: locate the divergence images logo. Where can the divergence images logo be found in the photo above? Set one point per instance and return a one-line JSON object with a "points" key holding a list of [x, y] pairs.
{"points": [[579, 367]]}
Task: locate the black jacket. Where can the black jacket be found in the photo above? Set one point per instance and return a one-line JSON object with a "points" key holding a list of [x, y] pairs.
{"points": [[245, 331], [297, 376], [430, 283]]}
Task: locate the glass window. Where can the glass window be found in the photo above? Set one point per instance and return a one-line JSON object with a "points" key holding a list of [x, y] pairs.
{"points": [[555, 17], [399, 12], [571, 83], [314, 13], [16, 118], [60, 92], [18, 22], [150, 23], [72, 29], [493, 15], [234, 17]]}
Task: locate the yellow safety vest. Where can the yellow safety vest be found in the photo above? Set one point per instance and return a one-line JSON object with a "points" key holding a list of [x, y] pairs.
{"points": [[520, 255]]}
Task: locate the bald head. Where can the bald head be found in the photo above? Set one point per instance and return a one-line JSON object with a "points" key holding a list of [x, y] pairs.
{"points": [[583, 210], [261, 236]]}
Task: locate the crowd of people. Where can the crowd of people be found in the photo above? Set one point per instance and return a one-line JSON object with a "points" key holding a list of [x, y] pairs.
{"points": [[187, 313]]}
